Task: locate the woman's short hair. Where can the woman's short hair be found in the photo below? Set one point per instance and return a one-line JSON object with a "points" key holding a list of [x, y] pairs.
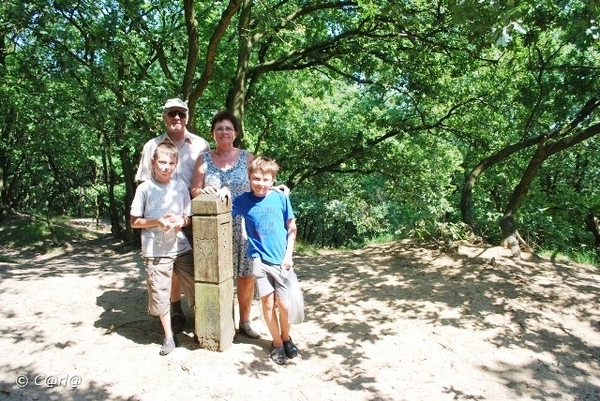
{"points": [[222, 116]]}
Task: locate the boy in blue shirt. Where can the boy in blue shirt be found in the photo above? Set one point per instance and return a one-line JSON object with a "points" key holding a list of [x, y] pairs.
{"points": [[271, 229]]}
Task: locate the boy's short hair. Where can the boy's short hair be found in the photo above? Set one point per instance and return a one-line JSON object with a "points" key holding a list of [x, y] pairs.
{"points": [[265, 165], [165, 148]]}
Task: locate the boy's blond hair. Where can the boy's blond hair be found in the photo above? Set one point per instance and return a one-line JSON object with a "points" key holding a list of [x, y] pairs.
{"points": [[166, 148], [265, 165]]}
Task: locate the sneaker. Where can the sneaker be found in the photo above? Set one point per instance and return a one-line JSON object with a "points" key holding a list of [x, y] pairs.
{"points": [[168, 346], [246, 330], [291, 351], [177, 323], [278, 355]]}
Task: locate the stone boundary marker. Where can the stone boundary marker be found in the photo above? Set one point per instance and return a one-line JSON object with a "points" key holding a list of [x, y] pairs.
{"points": [[213, 272]]}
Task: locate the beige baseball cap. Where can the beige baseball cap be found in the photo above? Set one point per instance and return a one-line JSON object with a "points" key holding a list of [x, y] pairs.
{"points": [[175, 102]]}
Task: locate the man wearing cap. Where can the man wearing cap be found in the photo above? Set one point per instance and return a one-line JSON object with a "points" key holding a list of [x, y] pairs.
{"points": [[190, 146]]}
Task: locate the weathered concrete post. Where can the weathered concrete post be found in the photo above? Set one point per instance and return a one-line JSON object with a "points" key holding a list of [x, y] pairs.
{"points": [[213, 272]]}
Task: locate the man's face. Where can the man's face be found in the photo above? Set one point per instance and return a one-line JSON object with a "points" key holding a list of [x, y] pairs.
{"points": [[175, 120]]}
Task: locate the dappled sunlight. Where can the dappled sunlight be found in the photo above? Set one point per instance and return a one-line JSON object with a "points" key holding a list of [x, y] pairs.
{"points": [[529, 307], [37, 384], [380, 321]]}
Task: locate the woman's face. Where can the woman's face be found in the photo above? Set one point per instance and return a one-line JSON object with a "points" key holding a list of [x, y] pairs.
{"points": [[224, 132]]}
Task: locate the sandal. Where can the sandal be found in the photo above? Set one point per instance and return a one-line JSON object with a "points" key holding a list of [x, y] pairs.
{"points": [[291, 351], [278, 355], [247, 330], [168, 346]]}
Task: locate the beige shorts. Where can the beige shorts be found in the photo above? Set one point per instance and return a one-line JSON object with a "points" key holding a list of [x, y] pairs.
{"points": [[269, 278], [159, 272]]}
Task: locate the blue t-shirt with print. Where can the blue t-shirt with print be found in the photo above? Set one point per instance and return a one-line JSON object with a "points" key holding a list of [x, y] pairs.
{"points": [[265, 219]]}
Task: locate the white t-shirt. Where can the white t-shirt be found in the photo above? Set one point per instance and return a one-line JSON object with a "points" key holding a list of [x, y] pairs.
{"points": [[193, 146], [154, 200]]}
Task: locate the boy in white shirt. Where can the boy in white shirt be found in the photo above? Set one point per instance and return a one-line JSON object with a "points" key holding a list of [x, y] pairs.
{"points": [[161, 208]]}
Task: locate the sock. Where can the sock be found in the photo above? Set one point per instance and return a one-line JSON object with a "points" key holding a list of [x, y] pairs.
{"points": [[176, 308]]}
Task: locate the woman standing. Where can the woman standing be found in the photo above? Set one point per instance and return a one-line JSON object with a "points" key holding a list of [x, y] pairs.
{"points": [[227, 167]]}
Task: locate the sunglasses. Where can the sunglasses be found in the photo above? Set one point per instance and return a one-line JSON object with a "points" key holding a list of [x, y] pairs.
{"points": [[173, 113]]}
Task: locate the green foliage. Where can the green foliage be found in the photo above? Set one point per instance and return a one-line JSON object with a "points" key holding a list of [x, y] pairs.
{"points": [[16, 235], [6, 259], [376, 110], [346, 222], [33, 232], [303, 248], [441, 232], [583, 256]]}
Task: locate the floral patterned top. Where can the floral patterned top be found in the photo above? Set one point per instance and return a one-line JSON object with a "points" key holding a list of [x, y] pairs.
{"points": [[236, 178]]}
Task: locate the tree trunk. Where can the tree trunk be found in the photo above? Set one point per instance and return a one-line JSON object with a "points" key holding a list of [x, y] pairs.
{"points": [[109, 181], [210, 57], [508, 225], [592, 222], [237, 95], [192, 54], [123, 73], [129, 190], [545, 150], [563, 139], [466, 205]]}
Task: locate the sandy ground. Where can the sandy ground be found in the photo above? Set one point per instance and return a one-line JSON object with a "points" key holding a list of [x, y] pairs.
{"points": [[394, 321]]}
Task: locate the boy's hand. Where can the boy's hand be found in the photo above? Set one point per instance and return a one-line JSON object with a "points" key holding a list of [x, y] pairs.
{"points": [[287, 263], [163, 222], [171, 222]]}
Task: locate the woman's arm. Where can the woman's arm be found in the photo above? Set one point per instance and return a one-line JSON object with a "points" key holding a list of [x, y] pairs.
{"points": [[249, 158], [197, 184]]}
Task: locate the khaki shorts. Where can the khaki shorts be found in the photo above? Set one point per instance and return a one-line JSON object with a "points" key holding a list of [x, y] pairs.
{"points": [[158, 280]]}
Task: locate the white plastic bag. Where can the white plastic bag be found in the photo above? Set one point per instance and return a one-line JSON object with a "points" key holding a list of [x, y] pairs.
{"points": [[296, 301]]}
